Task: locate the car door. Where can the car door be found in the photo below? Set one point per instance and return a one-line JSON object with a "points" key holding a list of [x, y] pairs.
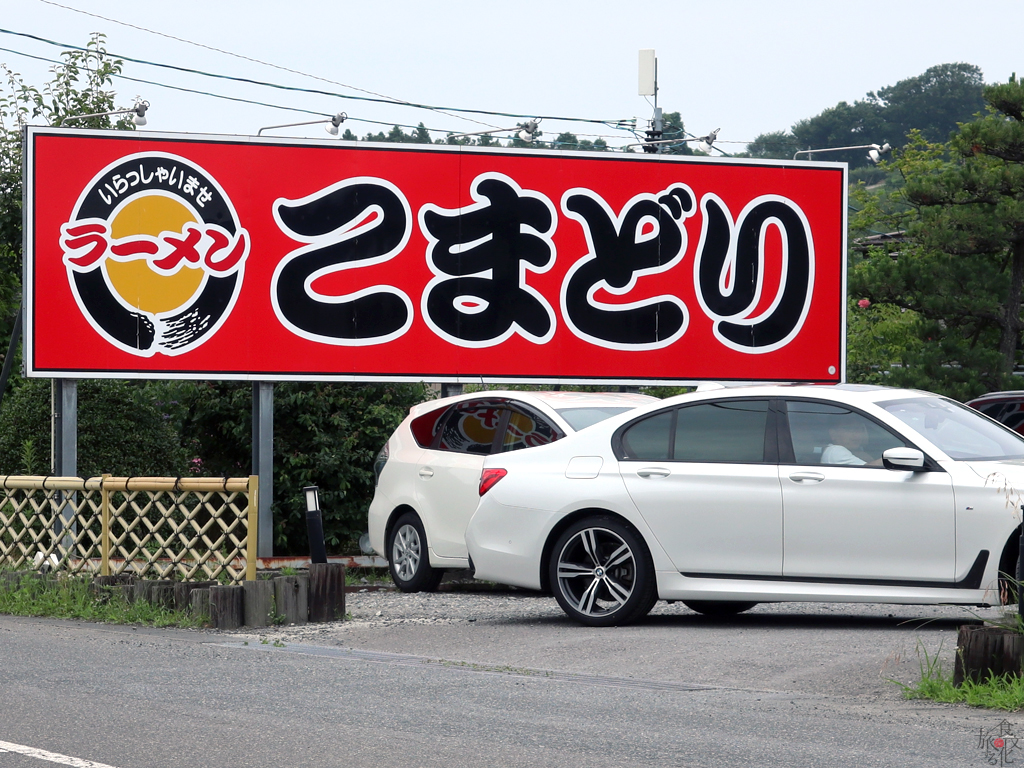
{"points": [[705, 479], [859, 521]]}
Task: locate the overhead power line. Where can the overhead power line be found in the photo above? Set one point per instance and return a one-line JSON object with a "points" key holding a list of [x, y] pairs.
{"points": [[314, 91], [243, 57], [351, 119]]}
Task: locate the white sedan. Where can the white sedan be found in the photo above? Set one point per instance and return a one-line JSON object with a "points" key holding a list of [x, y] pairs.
{"points": [[726, 498], [429, 469]]}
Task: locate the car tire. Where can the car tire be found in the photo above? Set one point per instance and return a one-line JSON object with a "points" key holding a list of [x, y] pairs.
{"points": [[602, 574], [1009, 572], [719, 607], [408, 559]]}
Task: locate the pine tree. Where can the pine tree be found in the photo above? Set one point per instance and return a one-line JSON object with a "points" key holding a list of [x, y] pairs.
{"points": [[958, 263]]}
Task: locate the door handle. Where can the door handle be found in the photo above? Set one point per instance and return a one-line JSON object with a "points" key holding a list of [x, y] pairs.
{"points": [[810, 477], [426, 473], [654, 472]]}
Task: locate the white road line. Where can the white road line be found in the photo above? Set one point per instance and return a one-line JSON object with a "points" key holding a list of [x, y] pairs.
{"points": [[53, 757]]}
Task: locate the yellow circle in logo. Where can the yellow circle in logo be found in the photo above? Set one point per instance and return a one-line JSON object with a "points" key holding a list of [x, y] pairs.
{"points": [[133, 280]]}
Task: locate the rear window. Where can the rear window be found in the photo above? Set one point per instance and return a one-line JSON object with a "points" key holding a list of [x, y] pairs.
{"points": [[583, 417], [526, 431], [471, 430]]}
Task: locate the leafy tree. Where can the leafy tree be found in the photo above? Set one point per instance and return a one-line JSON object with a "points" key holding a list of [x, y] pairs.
{"points": [[673, 128], [932, 103], [79, 85], [777, 145], [958, 262], [844, 125], [569, 140], [325, 434], [121, 431], [397, 136]]}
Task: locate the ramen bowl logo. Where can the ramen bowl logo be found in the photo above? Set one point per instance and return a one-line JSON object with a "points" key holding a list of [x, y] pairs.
{"points": [[155, 254]]}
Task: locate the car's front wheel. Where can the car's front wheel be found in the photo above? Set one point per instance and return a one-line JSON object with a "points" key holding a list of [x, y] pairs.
{"points": [[408, 560], [602, 574]]}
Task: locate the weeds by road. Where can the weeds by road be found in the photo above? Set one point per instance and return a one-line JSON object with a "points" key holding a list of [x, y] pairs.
{"points": [[72, 597], [936, 683]]}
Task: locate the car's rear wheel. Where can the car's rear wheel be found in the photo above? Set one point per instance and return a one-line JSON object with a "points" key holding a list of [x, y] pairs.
{"points": [[408, 560], [602, 574], [719, 607]]}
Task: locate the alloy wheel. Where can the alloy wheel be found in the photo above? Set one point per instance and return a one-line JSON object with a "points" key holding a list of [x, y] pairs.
{"points": [[596, 572], [406, 551]]}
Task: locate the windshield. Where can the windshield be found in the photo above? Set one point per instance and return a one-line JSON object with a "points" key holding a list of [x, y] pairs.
{"points": [[581, 418], [957, 430]]}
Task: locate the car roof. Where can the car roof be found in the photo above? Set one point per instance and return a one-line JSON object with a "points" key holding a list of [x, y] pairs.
{"points": [[549, 400], [846, 393]]}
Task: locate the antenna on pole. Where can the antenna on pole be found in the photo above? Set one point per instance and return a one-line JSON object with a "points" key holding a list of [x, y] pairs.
{"points": [[648, 86]]}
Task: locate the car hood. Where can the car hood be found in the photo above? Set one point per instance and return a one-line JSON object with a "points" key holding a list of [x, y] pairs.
{"points": [[1011, 470]]}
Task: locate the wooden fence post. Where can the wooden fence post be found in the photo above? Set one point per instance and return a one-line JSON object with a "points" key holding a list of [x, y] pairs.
{"points": [[144, 588], [226, 607], [183, 592], [253, 524], [199, 602], [104, 527], [291, 598], [326, 592], [259, 599], [983, 650]]}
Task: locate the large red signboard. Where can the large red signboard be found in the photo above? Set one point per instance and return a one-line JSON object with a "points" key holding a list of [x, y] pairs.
{"points": [[165, 256]]}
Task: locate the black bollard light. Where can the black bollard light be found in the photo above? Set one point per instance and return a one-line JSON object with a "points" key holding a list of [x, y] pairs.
{"points": [[315, 525]]}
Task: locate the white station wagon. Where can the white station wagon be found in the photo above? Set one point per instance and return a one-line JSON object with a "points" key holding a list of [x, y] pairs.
{"points": [[428, 472]]}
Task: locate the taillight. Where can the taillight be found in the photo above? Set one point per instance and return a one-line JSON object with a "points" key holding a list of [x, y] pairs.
{"points": [[489, 478], [379, 462]]}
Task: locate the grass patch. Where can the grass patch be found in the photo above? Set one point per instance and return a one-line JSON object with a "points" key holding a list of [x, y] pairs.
{"points": [[374, 577], [1004, 692], [70, 597]]}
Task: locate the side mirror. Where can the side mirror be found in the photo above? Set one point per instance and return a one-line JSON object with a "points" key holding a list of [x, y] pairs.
{"points": [[909, 459]]}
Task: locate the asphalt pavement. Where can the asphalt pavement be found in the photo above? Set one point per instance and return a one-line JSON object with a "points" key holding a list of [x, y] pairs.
{"points": [[494, 679]]}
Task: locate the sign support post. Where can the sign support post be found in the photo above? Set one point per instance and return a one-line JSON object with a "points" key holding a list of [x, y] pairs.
{"points": [[263, 461]]}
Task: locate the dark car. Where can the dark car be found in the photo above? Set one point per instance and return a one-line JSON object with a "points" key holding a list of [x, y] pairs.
{"points": [[1005, 407]]}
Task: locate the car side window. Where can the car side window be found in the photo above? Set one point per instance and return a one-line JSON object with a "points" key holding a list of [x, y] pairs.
{"points": [[471, 430], [831, 434], [648, 439], [724, 431], [424, 428], [721, 431], [526, 431]]}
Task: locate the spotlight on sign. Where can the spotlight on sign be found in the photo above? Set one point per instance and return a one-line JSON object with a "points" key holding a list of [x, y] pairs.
{"points": [[876, 152], [138, 113], [528, 130], [335, 123]]}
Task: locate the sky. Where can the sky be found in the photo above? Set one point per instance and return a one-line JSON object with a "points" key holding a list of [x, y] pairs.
{"points": [[747, 67]]}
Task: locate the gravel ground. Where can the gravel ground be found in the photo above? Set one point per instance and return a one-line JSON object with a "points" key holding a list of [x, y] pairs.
{"points": [[375, 608], [813, 648]]}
